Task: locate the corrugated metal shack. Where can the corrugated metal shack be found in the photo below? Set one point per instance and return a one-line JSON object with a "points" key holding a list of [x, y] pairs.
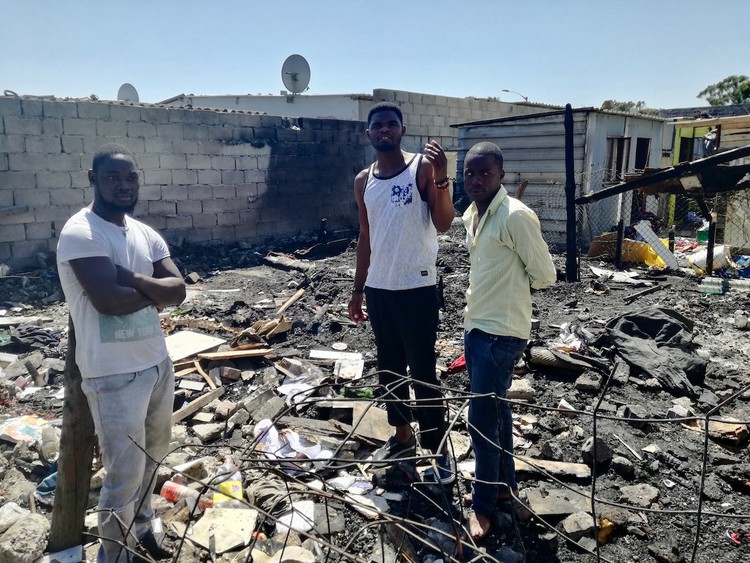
{"points": [[607, 145]]}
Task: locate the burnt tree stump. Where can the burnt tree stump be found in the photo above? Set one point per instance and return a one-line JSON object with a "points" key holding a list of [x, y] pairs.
{"points": [[77, 442]]}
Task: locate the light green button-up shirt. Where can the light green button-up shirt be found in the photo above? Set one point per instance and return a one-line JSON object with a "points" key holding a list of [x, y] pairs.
{"points": [[508, 258]]}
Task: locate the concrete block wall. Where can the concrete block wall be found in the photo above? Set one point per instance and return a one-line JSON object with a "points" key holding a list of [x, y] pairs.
{"points": [[207, 176], [428, 116]]}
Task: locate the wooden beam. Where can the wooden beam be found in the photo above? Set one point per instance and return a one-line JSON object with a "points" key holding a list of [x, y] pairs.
{"points": [[283, 370], [196, 405], [204, 375], [15, 321], [235, 354], [184, 372], [558, 468], [287, 262], [630, 298], [732, 121], [289, 301]]}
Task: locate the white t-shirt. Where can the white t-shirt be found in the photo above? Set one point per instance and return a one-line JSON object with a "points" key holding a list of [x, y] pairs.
{"points": [[403, 240], [110, 344]]}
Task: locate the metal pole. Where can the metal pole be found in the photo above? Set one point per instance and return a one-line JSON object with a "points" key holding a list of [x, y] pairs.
{"points": [[710, 246]]}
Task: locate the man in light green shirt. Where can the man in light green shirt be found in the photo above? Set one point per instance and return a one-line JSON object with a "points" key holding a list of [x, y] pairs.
{"points": [[509, 260]]}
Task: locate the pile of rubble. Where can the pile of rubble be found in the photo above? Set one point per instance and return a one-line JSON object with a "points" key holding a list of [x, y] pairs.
{"points": [[631, 411]]}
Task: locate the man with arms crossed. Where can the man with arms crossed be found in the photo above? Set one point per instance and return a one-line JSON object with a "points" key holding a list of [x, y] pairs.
{"points": [[509, 259], [117, 274], [403, 200]]}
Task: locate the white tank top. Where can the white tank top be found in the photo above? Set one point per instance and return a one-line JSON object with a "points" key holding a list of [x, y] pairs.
{"points": [[403, 240]]}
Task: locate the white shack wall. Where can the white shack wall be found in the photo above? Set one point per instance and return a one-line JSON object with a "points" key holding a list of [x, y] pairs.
{"points": [[428, 116], [335, 106], [534, 150], [602, 216]]}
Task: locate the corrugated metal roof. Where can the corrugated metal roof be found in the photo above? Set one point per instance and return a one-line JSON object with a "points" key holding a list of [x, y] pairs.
{"points": [[706, 111], [532, 116]]}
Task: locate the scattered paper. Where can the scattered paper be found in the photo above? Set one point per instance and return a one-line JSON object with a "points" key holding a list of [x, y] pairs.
{"points": [[334, 355], [370, 505], [349, 369], [620, 277], [300, 518], [23, 429]]}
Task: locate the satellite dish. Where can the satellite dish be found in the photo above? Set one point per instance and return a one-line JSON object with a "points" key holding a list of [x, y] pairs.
{"points": [[127, 93], [295, 73]]}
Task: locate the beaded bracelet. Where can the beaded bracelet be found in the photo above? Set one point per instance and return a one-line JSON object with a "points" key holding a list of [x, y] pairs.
{"points": [[442, 184]]}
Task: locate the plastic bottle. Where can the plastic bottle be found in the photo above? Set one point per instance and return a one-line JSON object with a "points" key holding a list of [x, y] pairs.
{"points": [[356, 392], [702, 234], [48, 484], [174, 492], [716, 286], [228, 480]]}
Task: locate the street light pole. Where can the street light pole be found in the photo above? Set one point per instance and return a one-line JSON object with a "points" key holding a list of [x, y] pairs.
{"points": [[525, 98]]}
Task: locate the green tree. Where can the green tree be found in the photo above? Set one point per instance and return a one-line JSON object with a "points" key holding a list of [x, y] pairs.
{"points": [[733, 89]]}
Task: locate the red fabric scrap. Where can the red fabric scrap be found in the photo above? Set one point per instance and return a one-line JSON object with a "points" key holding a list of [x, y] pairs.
{"points": [[458, 365]]}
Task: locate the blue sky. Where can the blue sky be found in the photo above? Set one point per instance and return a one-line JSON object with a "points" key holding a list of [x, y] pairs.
{"points": [[581, 52]]}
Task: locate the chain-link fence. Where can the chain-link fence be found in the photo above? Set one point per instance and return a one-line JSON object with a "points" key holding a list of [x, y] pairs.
{"points": [[707, 227], [548, 202], [693, 207]]}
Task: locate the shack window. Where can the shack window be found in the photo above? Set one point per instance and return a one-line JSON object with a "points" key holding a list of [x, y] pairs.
{"points": [[617, 162], [642, 146], [686, 149]]}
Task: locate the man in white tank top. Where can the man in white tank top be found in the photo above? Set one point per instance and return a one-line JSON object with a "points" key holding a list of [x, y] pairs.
{"points": [[403, 200]]}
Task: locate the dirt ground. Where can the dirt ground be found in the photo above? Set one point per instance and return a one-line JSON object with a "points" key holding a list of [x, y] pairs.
{"points": [[236, 288]]}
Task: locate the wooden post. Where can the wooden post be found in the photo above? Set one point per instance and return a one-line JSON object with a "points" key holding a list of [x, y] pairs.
{"points": [[618, 246], [571, 248], [77, 443]]}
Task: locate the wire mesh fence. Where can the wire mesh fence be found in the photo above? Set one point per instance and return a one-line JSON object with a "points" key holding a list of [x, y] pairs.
{"points": [[548, 202], [606, 228], [425, 520]]}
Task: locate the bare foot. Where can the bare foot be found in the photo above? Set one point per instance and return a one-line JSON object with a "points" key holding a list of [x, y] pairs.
{"points": [[479, 525]]}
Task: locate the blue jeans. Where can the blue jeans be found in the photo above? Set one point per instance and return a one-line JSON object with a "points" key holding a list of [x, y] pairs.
{"points": [[129, 409], [489, 361]]}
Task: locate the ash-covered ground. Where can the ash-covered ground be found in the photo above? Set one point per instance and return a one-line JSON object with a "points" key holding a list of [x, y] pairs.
{"points": [[664, 490]]}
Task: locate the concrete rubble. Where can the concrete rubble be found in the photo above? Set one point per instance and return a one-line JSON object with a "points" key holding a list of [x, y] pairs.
{"points": [[287, 395]]}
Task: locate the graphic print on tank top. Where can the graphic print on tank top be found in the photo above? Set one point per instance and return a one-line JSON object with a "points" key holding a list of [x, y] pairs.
{"points": [[402, 195]]}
